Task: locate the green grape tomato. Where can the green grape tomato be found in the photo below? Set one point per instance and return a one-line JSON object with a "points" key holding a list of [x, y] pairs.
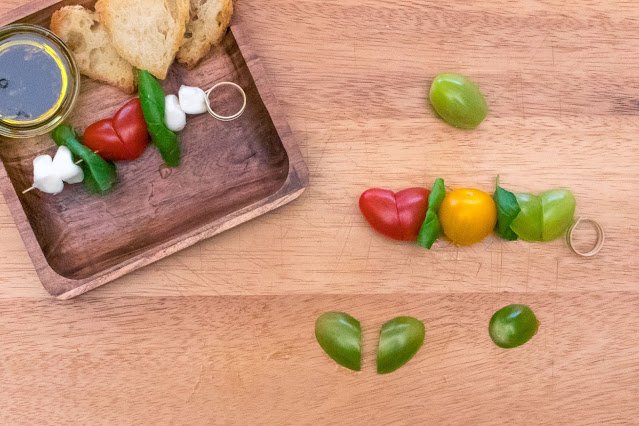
{"points": [[512, 326], [544, 217], [399, 340], [558, 206], [458, 101], [340, 335], [528, 224]]}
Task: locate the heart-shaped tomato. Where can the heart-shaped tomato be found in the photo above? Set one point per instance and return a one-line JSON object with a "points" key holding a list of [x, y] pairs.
{"points": [[396, 215], [123, 137]]}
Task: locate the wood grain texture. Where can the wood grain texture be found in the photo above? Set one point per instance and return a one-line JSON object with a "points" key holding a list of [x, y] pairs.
{"points": [[222, 332], [254, 360]]}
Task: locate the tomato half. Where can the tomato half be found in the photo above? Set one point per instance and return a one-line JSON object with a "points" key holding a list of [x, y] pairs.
{"points": [[529, 222], [544, 217], [558, 206], [395, 215], [340, 335], [123, 137]]}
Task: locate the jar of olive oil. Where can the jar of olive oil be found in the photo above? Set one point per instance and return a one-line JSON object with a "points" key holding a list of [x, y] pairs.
{"points": [[39, 81]]}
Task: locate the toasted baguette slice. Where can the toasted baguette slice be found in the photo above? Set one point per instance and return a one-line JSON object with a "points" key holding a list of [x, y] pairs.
{"points": [[147, 33], [208, 24], [96, 57]]}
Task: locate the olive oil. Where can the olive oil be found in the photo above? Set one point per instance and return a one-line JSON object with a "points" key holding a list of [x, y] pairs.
{"points": [[38, 81]]}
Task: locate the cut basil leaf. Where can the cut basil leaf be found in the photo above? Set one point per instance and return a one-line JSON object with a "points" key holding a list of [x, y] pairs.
{"points": [[507, 211], [431, 229]]}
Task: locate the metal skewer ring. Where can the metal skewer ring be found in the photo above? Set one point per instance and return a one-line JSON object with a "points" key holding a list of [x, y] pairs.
{"points": [[598, 244], [225, 117]]}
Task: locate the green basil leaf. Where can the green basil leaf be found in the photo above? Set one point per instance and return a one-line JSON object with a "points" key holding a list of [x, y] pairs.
{"points": [[152, 101], [431, 228], [99, 175], [507, 211], [436, 197], [91, 184]]}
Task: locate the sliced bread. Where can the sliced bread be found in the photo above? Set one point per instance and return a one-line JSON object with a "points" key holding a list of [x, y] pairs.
{"points": [[208, 24], [147, 33], [87, 38]]}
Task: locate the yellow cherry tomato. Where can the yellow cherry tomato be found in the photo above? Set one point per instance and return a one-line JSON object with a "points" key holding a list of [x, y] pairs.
{"points": [[467, 216]]}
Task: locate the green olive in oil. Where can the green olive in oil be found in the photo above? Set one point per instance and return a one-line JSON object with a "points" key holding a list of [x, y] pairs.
{"points": [[39, 81]]}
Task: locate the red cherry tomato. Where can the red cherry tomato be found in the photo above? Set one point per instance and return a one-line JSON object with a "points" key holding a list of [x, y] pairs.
{"points": [[102, 138], [123, 137], [395, 215], [130, 125]]}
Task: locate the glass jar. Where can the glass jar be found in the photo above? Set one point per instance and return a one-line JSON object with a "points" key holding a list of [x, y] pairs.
{"points": [[39, 81]]}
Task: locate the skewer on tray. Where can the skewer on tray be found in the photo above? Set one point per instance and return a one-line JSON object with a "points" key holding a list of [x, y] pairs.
{"points": [[167, 115]]}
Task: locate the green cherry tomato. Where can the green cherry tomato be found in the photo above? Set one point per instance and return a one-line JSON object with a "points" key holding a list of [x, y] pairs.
{"points": [[545, 217], [512, 326], [399, 340], [458, 101], [340, 335], [558, 206], [528, 224]]}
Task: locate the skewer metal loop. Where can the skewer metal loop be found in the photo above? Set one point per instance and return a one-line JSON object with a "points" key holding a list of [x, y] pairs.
{"points": [[226, 117], [598, 244]]}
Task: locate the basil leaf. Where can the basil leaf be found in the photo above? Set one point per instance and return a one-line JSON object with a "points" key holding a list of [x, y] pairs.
{"points": [[152, 101], [507, 211], [91, 183], [99, 175], [431, 228]]}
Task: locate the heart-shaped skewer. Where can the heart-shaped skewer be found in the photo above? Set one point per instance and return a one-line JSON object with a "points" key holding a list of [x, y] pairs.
{"points": [[396, 215]]}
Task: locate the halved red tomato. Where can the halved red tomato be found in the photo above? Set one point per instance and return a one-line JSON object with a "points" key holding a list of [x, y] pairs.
{"points": [[395, 215], [123, 137]]}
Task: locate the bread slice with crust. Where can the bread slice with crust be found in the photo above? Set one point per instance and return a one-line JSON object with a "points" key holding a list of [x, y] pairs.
{"points": [[87, 38], [208, 24], [147, 33]]}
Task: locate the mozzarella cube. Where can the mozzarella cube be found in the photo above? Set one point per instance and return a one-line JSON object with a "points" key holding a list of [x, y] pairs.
{"points": [[174, 116], [192, 100]]}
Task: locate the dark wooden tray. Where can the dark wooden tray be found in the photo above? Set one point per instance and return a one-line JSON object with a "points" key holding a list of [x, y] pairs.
{"points": [[230, 173]]}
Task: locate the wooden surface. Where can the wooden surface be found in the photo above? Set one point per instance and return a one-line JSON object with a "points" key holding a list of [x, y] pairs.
{"points": [[229, 173], [223, 331]]}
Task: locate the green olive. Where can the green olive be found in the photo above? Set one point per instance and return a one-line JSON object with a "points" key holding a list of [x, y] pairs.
{"points": [[399, 340], [340, 335], [458, 101], [512, 326]]}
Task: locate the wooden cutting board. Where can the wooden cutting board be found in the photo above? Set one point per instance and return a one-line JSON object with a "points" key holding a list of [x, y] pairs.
{"points": [[223, 331]]}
